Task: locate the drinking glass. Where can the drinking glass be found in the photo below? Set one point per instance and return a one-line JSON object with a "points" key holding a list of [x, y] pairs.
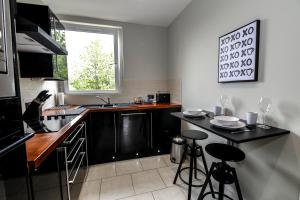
{"points": [[264, 105], [223, 100]]}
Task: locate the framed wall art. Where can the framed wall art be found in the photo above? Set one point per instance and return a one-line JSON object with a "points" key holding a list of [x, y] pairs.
{"points": [[238, 54]]}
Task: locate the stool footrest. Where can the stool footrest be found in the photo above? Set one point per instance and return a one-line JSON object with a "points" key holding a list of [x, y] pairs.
{"points": [[185, 182], [207, 193]]}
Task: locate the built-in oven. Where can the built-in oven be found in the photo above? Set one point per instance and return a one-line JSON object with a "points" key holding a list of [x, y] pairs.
{"points": [[73, 163]]}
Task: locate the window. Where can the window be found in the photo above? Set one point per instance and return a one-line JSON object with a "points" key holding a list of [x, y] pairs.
{"points": [[94, 57]]}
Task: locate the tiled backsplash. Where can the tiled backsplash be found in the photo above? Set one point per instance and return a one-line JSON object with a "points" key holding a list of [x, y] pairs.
{"points": [[174, 86], [31, 87], [130, 89]]}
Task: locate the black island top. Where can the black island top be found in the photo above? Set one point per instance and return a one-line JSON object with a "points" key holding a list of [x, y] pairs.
{"points": [[256, 133]]}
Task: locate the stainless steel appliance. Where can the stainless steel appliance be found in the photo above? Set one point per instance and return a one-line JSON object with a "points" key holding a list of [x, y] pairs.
{"points": [[7, 74], [73, 163], [177, 149]]}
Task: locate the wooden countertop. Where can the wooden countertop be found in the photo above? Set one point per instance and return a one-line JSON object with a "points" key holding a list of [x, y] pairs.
{"points": [[43, 144]]}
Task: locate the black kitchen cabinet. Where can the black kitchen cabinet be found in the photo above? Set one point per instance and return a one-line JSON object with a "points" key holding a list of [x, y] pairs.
{"points": [[164, 127], [134, 136], [43, 65], [124, 135], [102, 137]]}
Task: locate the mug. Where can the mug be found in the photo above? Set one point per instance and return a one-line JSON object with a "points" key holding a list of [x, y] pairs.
{"points": [[217, 110], [251, 118]]}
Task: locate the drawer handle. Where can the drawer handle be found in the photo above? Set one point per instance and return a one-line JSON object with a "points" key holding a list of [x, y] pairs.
{"points": [[132, 114], [67, 142], [80, 142], [82, 154]]}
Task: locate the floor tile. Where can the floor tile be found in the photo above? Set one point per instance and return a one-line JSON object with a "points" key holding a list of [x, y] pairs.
{"points": [[147, 181], [90, 190], [173, 193], [168, 175], [152, 162], [48, 194], [146, 196], [128, 166], [167, 160], [97, 172], [116, 187]]}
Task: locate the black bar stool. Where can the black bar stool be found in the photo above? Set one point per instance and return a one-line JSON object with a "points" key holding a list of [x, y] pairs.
{"points": [[221, 171], [194, 151]]}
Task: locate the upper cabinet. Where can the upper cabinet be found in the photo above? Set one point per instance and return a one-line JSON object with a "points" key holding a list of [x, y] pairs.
{"points": [[41, 43], [36, 30]]}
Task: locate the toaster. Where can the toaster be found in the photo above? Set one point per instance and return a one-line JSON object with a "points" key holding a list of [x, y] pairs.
{"points": [[163, 97]]}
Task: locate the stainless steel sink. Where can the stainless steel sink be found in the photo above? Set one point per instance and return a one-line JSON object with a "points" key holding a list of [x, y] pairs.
{"points": [[108, 106]]}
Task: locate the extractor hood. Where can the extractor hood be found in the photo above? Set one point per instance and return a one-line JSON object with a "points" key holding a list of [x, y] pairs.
{"points": [[32, 38]]}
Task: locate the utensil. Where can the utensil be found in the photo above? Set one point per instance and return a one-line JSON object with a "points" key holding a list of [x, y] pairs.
{"points": [[241, 131], [194, 113], [239, 125], [264, 105], [251, 118], [223, 100], [227, 120], [217, 110]]}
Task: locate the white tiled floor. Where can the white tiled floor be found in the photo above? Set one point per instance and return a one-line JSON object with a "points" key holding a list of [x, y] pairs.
{"points": [[148, 178]]}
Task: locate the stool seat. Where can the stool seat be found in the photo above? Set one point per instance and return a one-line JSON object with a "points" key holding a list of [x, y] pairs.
{"points": [[194, 134], [225, 152]]}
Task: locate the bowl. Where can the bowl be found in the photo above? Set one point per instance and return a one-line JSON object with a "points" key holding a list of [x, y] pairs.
{"points": [[227, 120], [194, 112]]}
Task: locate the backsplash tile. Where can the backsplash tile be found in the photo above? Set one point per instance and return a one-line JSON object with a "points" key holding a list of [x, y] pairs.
{"points": [[129, 90], [31, 87]]}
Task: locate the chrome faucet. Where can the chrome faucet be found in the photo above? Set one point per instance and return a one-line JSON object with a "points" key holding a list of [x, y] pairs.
{"points": [[105, 101]]}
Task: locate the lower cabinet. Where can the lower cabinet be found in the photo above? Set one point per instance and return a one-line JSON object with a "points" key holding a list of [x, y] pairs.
{"points": [[102, 137], [130, 134], [164, 128]]}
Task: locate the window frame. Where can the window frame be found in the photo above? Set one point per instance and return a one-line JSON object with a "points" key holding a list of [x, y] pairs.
{"points": [[117, 32]]}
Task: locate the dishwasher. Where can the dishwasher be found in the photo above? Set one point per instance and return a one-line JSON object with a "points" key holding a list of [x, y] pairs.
{"points": [[72, 163], [134, 138]]}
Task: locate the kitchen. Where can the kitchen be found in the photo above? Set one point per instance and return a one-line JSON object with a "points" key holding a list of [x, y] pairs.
{"points": [[169, 46]]}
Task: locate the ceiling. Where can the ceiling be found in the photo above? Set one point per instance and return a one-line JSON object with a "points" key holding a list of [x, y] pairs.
{"points": [[148, 12]]}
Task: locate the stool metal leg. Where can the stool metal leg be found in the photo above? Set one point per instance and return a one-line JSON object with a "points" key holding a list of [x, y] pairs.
{"points": [[237, 186], [206, 171], [206, 181], [221, 191], [195, 167], [191, 169], [180, 164], [190, 178]]}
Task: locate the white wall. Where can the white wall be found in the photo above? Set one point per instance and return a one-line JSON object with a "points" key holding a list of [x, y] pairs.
{"points": [[145, 61], [271, 169]]}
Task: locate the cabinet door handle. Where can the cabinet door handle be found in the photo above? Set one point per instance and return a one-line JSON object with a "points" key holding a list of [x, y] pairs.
{"points": [[115, 127], [132, 114], [82, 154], [67, 142], [79, 144], [151, 130]]}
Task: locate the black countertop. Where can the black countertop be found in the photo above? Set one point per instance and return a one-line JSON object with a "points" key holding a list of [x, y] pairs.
{"points": [[255, 134]]}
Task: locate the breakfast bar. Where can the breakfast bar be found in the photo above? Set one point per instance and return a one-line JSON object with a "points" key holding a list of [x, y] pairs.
{"points": [[240, 136]]}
